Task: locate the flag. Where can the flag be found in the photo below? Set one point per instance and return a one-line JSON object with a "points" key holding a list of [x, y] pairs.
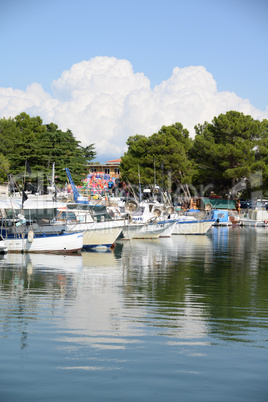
{"points": [[28, 168], [12, 184], [24, 197]]}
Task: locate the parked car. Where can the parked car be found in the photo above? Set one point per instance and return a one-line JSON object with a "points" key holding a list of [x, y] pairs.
{"points": [[253, 204], [246, 204]]}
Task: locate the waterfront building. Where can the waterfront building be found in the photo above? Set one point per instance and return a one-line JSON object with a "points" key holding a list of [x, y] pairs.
{"points": [[111, 168]]}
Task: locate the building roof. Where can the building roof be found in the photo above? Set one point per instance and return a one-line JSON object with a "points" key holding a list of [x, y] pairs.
{"points": [[114, 161]]}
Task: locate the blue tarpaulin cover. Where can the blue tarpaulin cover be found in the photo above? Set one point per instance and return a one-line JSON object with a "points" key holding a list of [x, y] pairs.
{"points": [[221, 215]]}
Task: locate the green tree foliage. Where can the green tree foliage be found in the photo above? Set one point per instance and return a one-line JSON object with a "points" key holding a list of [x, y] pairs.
{"points": [[65, 151], [9, 132], [261, 158], [27, 144], [163, 152], [4, 168], [224, 150], [27, 138]]}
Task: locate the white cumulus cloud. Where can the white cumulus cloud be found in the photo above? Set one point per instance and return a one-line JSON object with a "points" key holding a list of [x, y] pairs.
{"points": [[104, 102]]}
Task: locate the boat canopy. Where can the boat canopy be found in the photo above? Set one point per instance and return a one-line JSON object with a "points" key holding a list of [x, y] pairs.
{"points": [[217, 203]]}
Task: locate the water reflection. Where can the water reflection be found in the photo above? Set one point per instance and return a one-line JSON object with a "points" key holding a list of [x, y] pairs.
{"points": [[188, 289], [152, 319], [48, 262], [200, 285], [99, 259]]}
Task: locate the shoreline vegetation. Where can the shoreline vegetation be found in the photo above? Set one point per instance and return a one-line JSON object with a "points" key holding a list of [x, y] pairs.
{"points": [[228, 157]]}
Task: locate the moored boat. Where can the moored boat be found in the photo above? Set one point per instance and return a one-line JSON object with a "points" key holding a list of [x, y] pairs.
{"points": [[255, 218], [153, 230], [170, 227], [192, 226], [129, 231], [45, 243], [96, 234]]}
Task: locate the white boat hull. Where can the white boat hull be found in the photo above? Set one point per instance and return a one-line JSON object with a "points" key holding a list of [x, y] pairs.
{"points": [[192, 227], [130, 231], [153, 231], [61, 243], [169, 230], [100, 238], [253, 223], [98, 234], [3, 247]]}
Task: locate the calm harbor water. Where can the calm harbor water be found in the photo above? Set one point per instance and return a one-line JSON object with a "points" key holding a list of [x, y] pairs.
{"points": [[179, 319]]}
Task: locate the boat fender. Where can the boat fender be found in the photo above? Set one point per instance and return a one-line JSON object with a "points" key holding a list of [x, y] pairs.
{"points": [[129, 218], [30, 236]]}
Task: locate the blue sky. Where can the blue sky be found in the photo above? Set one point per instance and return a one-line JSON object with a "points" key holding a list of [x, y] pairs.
{"points": [[42, 39]]}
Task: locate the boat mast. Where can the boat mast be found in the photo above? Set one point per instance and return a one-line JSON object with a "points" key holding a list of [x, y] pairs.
{"points": [[154, 176], [53, 176], [139, 181]]}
